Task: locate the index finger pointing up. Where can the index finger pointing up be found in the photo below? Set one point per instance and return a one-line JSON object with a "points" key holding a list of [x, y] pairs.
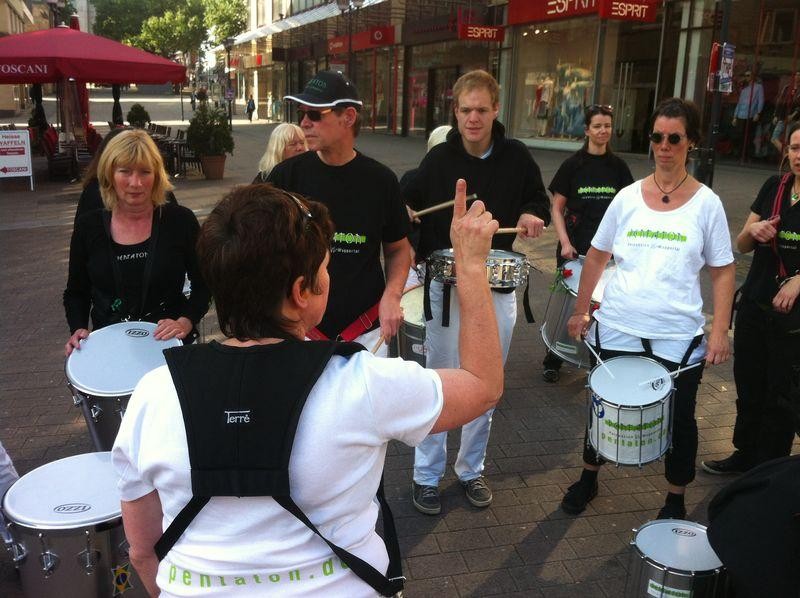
{"points": [[460, 205]]}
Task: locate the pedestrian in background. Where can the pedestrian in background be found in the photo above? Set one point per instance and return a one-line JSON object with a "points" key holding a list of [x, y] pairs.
{"points": [[286, 141]]}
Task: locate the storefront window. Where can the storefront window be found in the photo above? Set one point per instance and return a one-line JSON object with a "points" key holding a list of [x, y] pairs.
{"points": [[555, 78]]}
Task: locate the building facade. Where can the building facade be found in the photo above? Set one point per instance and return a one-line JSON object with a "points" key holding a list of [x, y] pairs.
{"points": [[15, 17]]}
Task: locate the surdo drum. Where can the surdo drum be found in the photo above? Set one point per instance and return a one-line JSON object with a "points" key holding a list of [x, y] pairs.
{"points": [[630, 423], [104, 372], [66, 531], [560, 307], [504, 269], [672, 558], [411, 339]]}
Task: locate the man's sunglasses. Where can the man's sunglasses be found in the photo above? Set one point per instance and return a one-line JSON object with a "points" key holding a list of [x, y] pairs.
{"points": [[672, 138], [313, 115]]}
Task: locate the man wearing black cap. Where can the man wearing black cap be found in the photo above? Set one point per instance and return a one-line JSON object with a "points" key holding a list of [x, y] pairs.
{"points": [[364, 200]]}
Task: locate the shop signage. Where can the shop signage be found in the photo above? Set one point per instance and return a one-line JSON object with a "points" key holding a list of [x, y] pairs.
{"points": [[441, 28], [374, 37], [526, 11], [15, 154], [629, 10], [487, 33]]}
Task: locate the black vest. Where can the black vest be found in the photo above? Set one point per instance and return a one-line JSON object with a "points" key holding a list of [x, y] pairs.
{"points": [[241, 410]]}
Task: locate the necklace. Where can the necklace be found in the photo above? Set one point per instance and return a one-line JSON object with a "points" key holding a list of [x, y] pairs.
{"points": [[665, 197], [795, 195]]}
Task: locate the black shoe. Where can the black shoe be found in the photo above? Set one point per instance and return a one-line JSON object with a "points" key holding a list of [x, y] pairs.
{"points": [[578, 496], [478, 492], [734, 464], [672, 511], [551, 375], [426, 499]]}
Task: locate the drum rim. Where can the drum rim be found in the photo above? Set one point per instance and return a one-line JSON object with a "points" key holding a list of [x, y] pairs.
{"points": [[662, 566], [670, 390]]}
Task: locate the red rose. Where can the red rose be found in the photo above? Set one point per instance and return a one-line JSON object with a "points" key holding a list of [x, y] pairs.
{"points": [[567, 273]]}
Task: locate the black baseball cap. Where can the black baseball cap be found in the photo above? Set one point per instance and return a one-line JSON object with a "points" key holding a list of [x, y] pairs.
{"points": [[328, 89]]}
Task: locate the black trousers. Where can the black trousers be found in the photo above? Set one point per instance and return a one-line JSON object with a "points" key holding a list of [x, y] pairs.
{"points": [[766, 369], [679, 462]]}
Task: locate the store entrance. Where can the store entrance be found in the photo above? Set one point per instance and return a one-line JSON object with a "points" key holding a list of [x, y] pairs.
{"points": [[440, 95], [632, 100]]}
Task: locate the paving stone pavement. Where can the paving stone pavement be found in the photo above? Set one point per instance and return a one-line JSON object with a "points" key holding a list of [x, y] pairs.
{"points": [[523, 544]]}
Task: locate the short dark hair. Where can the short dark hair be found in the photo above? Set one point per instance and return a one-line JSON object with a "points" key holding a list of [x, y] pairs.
{"points": [[791, 130], [252, 247], [679, 108]]}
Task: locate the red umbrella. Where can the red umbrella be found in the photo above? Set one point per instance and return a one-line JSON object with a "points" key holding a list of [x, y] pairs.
{"points": [[51, 55]]}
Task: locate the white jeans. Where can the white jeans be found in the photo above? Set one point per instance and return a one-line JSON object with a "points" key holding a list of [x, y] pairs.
{"points": [[441, 351]]}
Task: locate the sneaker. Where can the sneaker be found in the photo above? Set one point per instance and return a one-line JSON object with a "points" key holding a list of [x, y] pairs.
{"points": [[478, 492], [671, 511], [551, 375], [736, 463], [578, 496], [426, 499]]}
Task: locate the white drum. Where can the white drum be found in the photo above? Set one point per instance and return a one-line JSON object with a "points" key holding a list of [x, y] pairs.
{"points": [[630, 423], [411, 339], [66, 529], [104, 372], [672, 558], [560, 307], [504, 269]]}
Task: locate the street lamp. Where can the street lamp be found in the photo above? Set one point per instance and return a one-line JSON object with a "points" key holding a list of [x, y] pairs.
{"points": [[348, 7], [228, 44]]}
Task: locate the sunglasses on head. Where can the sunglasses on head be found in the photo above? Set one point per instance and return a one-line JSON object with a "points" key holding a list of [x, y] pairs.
{"points": [[307, 215], [672, 138], [600, 109], [313, 115]]}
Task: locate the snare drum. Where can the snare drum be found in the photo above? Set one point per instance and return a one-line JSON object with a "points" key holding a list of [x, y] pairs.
{"points": [[672, 558], [504, 269], [104, 372], [560, 307], [630, 423], [411, 338], [66, 530]]}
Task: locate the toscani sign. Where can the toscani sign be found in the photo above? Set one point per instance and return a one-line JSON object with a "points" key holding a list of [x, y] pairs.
{"points": [[15, 154], [23, 69]]}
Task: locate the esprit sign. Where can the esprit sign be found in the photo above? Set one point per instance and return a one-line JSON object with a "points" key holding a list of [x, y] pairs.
{"points": [[525, 11], [488, 33], [629, 10]]}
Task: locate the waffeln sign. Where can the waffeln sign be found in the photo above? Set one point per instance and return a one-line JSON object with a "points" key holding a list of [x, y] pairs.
{"points": [[15, 154]]}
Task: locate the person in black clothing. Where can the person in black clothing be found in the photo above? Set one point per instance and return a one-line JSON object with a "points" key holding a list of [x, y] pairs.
{"points": [[364, 200], [766, 341], [582, 189], [505, 177], [130, 260]]}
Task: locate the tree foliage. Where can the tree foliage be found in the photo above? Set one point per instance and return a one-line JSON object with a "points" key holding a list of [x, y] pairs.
{"points": [[181, 30], [225, 18], [122, 19]]}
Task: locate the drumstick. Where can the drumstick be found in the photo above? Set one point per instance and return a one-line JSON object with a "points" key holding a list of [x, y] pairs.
{"points": [[378, 344], [442, 206], [673, 374], [597, 357], [507, 231]]}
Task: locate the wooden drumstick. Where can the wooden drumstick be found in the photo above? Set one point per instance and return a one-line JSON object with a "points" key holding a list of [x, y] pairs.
{"points": [[672, 374], [441, 206], [378, 344], [597, 357], [517, 230]]}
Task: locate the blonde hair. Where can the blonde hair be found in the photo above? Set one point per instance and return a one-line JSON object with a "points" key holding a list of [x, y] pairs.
{"points": [[477, 79], [132, 148], [281, 136], [438, 135]]}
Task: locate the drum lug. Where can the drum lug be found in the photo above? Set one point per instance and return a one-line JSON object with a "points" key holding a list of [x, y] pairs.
{"points": [[48, 559], [77, 399], [88, 558], [97, 413], [16, 550], [123, 548]]}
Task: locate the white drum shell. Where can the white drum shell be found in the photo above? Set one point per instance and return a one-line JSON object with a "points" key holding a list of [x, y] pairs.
{"points": [[671, 557], [66, 528], [411, 338]]}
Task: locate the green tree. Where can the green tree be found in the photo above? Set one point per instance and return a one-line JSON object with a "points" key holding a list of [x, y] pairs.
{"points": [[225, 18], [122, 19], [182, 30]]}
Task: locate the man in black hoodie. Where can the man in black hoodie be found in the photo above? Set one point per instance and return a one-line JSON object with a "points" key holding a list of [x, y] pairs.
{"points": [[505, 177]]}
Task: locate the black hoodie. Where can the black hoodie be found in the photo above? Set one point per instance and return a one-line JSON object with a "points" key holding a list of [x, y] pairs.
{"points": [[509, 182]]}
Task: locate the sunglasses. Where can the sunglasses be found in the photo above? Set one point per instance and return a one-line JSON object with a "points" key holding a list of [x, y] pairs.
{"points": [[313, 115], [672, 138], [600, 109], [307, 215]]}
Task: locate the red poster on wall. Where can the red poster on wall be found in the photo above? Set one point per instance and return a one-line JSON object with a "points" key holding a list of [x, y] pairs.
{"points": [[526, 11], [629, 10]]}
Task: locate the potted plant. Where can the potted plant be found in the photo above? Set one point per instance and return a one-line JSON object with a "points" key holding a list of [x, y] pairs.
{"points": [[138, 116], [209, 138]]}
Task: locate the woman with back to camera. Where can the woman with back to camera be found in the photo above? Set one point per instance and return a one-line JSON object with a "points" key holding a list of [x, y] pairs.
{"points": [[287, 140], [130, 260], [582, 189], [766, 340], [661, 231], [265, 253]]}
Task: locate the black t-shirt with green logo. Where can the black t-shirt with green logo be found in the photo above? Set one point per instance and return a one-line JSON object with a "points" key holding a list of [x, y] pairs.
{"points": [[589, 183], [363, 197]]}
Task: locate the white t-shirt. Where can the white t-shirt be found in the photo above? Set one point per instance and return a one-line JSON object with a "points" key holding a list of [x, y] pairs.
{"points": [[655, 291], [251, 546]]}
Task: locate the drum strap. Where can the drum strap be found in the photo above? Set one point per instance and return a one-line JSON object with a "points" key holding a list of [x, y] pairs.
{"points": [[648, 347], [363, 323], [526, 303], [250, 404]]}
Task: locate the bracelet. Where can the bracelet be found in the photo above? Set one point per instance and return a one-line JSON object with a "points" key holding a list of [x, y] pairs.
{"points": [[584, 314]]}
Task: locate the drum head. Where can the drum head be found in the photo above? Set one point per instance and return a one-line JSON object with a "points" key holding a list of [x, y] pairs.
{"points": [[576, 266], [571, 281], [412, 304], [113, 359], [504, 254], [677, 544], [64, 494], [625, 387]]}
